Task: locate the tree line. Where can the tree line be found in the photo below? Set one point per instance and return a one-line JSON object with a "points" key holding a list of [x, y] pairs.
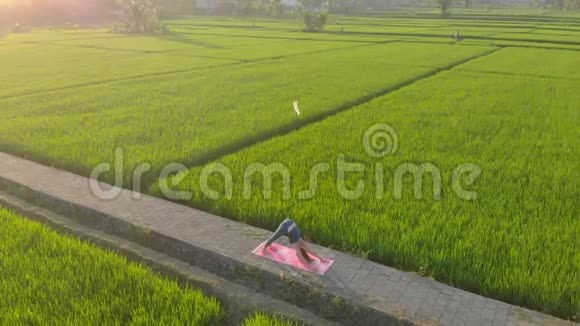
{"points": [[445, 5], [312, 13]]}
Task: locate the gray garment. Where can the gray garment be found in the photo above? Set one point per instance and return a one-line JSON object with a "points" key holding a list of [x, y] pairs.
{"points": [[287, 228]]}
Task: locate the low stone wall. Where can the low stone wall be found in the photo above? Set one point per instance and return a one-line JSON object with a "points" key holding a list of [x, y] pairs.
{"points": [[239, 301]]}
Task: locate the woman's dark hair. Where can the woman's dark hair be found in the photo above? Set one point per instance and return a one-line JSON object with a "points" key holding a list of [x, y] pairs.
{"points": [[305, 255]]}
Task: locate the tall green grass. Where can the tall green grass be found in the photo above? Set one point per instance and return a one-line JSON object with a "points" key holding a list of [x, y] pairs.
{"points": [[29, 61], [514, 27], [211, 46], [538, 62], [260, 319], [50, 279], [190, 117], [32, 68], [46, 35], [516, 242]]}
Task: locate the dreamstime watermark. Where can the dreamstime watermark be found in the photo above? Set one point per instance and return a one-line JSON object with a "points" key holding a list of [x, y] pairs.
{"points": [[379, 141]]}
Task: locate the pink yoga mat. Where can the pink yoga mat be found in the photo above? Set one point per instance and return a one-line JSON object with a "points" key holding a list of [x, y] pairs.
{"points": [[285, 255]]}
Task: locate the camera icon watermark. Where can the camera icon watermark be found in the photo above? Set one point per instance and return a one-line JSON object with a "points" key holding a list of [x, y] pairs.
{"points": [[380, 140]]}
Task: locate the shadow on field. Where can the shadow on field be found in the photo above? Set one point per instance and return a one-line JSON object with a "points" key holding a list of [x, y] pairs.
{"points": [[175, 37]]}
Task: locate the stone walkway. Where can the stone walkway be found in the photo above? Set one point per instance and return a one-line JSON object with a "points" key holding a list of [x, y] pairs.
{"points": [[403, 296]]}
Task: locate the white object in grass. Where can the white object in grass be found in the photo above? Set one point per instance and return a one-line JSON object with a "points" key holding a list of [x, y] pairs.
{"points": [[296, 107]]}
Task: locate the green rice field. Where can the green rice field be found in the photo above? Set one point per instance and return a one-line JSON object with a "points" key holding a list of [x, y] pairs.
{"points": [[221, 90], [161, 105], [499, 244], [265, 320], [49, 279]]}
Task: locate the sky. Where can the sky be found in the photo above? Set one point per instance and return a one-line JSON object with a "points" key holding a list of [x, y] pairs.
{"points": [[60, 3], [12, 2]]}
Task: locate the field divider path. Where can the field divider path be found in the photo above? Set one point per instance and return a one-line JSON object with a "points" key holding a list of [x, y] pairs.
{"points": [[106, 81], [535, 47], [471, 37], [516, 74], [353, 292], [81, 46], [120, 49], [182, 52], [282, 38], [237, 147], [59, 40]]}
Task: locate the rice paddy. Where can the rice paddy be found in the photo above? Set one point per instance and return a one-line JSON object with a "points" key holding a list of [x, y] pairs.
{"points": [[51, 279], [146, 117], [498, 244], [265, 320], [220, 90]]}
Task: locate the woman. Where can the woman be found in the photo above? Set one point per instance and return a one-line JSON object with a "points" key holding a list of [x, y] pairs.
{"points": [[290, 229]]}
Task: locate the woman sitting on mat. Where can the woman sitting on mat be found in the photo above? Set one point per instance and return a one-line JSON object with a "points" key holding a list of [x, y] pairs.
{"points": [[290, 229]]}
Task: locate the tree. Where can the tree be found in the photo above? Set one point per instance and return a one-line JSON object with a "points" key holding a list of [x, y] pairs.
{"points": [[314, 21], [444, 6], [539, 3], [253, 7], [572, 4], [245, 6], [558, 4], [143, 18], [343, 6], [276, 7], [261, 6], [172, 7], [226, 6], [313, 14]]}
